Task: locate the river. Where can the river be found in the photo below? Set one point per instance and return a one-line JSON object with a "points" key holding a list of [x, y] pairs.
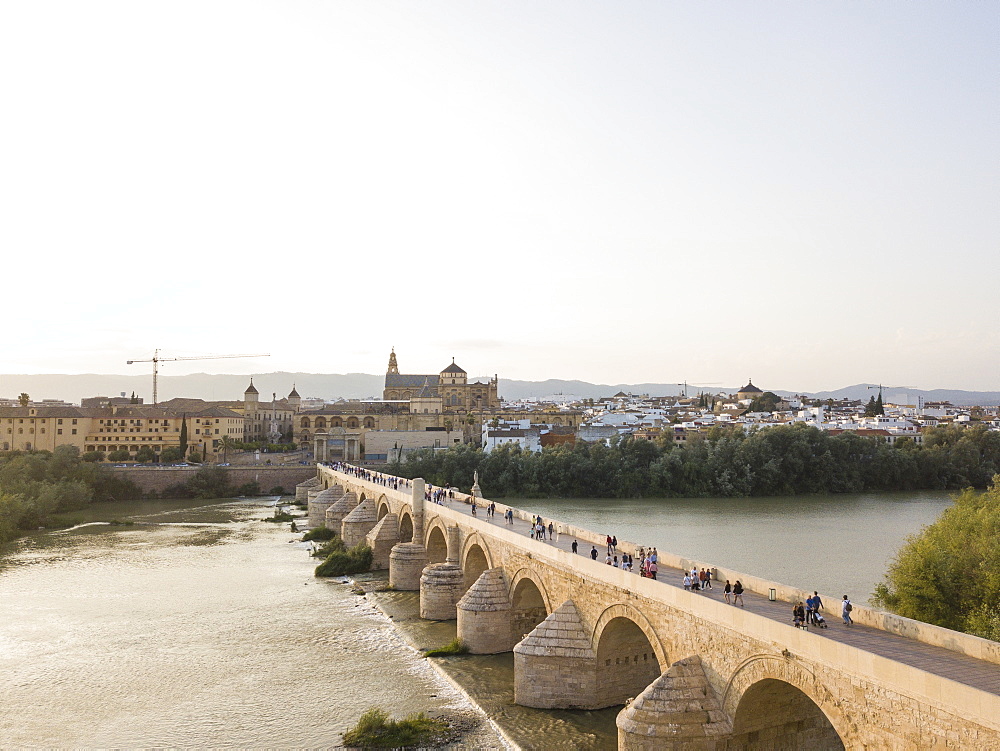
{"points": [[836, 544], [202, 626], [196, 627]]}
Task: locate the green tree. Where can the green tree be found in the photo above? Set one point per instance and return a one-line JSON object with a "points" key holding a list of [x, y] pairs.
{"points": [[23, 399], [949, 574], [119, 455], [184, 435], [171, 454], [145, 455], [210, 482], [871, 408], [766, 402], [879, 409]]}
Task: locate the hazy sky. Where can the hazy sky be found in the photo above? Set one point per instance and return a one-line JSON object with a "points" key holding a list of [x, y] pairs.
{"points": [[807, 194]]}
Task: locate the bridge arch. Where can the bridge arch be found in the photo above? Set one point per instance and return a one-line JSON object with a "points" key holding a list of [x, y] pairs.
{"points": [[530, 603], [475, 558], [383, 506], [630, 655], [781, 704], [405, 524], [436, 544]]}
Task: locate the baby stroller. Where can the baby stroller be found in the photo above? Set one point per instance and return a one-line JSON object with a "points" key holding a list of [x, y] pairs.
{"points": [[818, 620]]}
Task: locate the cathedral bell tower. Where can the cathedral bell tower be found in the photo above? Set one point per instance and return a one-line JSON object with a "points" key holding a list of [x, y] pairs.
{"points": [[393, 368], [250, 399]]}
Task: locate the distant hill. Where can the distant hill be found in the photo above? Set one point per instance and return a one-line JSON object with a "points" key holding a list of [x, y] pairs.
{"points": [[72, 388], [905, 395]]}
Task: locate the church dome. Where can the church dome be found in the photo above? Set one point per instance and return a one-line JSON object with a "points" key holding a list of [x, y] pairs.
{"points": [[251, 389], [750, 389]]}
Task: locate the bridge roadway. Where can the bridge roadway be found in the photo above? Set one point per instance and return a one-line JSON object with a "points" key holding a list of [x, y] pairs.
{"points": [[691, 670], [932, 659]]}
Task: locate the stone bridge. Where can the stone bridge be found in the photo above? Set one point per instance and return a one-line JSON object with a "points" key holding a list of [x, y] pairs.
{"points": [[691, 670]]}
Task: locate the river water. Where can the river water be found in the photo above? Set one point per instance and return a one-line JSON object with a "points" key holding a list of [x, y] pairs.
{"points": [[197, 627], [203, 626], [836, 544]]}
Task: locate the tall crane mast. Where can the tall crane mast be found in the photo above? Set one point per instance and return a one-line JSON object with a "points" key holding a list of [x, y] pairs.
{"points": [[685, 385], [156, 360]]}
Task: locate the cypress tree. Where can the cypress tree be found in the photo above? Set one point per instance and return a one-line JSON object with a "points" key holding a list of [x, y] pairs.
{"points": [[184, 436], [871, 407]]}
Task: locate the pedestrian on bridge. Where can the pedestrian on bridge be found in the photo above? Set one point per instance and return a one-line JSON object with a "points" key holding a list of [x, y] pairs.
{"points": [[593, 552], [817, 605], [574, 546], [727, 591], [845, 611], [738, 593]]}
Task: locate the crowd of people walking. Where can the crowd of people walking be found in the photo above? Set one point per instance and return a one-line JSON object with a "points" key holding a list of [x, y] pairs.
{"points": [[645, 561]]}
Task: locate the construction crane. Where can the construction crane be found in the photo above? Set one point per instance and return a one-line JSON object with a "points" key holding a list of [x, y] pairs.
{"points": [[880, 387], [156, 360], [685, 385]]}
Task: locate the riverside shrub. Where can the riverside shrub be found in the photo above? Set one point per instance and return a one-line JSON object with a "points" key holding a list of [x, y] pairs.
{"points": [[346, 562], [35, 485], [319, 534], [376, 729]]}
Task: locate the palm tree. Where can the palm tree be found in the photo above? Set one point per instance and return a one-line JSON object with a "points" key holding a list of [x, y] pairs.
{"points": [[226, 443]]}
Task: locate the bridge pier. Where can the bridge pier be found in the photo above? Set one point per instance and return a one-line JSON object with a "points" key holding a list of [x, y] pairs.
{"points": [[555, 666], [679, 710], [381, 540], [407, 559], [336, 513], [358, 523], [303, 488], [443, 584], [318, 504], [484, 615]]}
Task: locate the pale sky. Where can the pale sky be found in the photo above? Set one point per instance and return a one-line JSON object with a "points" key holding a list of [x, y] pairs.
{"points": [[807, 194]]}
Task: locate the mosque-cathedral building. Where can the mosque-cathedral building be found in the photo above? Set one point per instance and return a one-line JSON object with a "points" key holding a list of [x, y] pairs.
{"points": [[451, 386]]}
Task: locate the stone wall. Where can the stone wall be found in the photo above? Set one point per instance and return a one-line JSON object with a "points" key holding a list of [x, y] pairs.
{"points": [[157, 479]]}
